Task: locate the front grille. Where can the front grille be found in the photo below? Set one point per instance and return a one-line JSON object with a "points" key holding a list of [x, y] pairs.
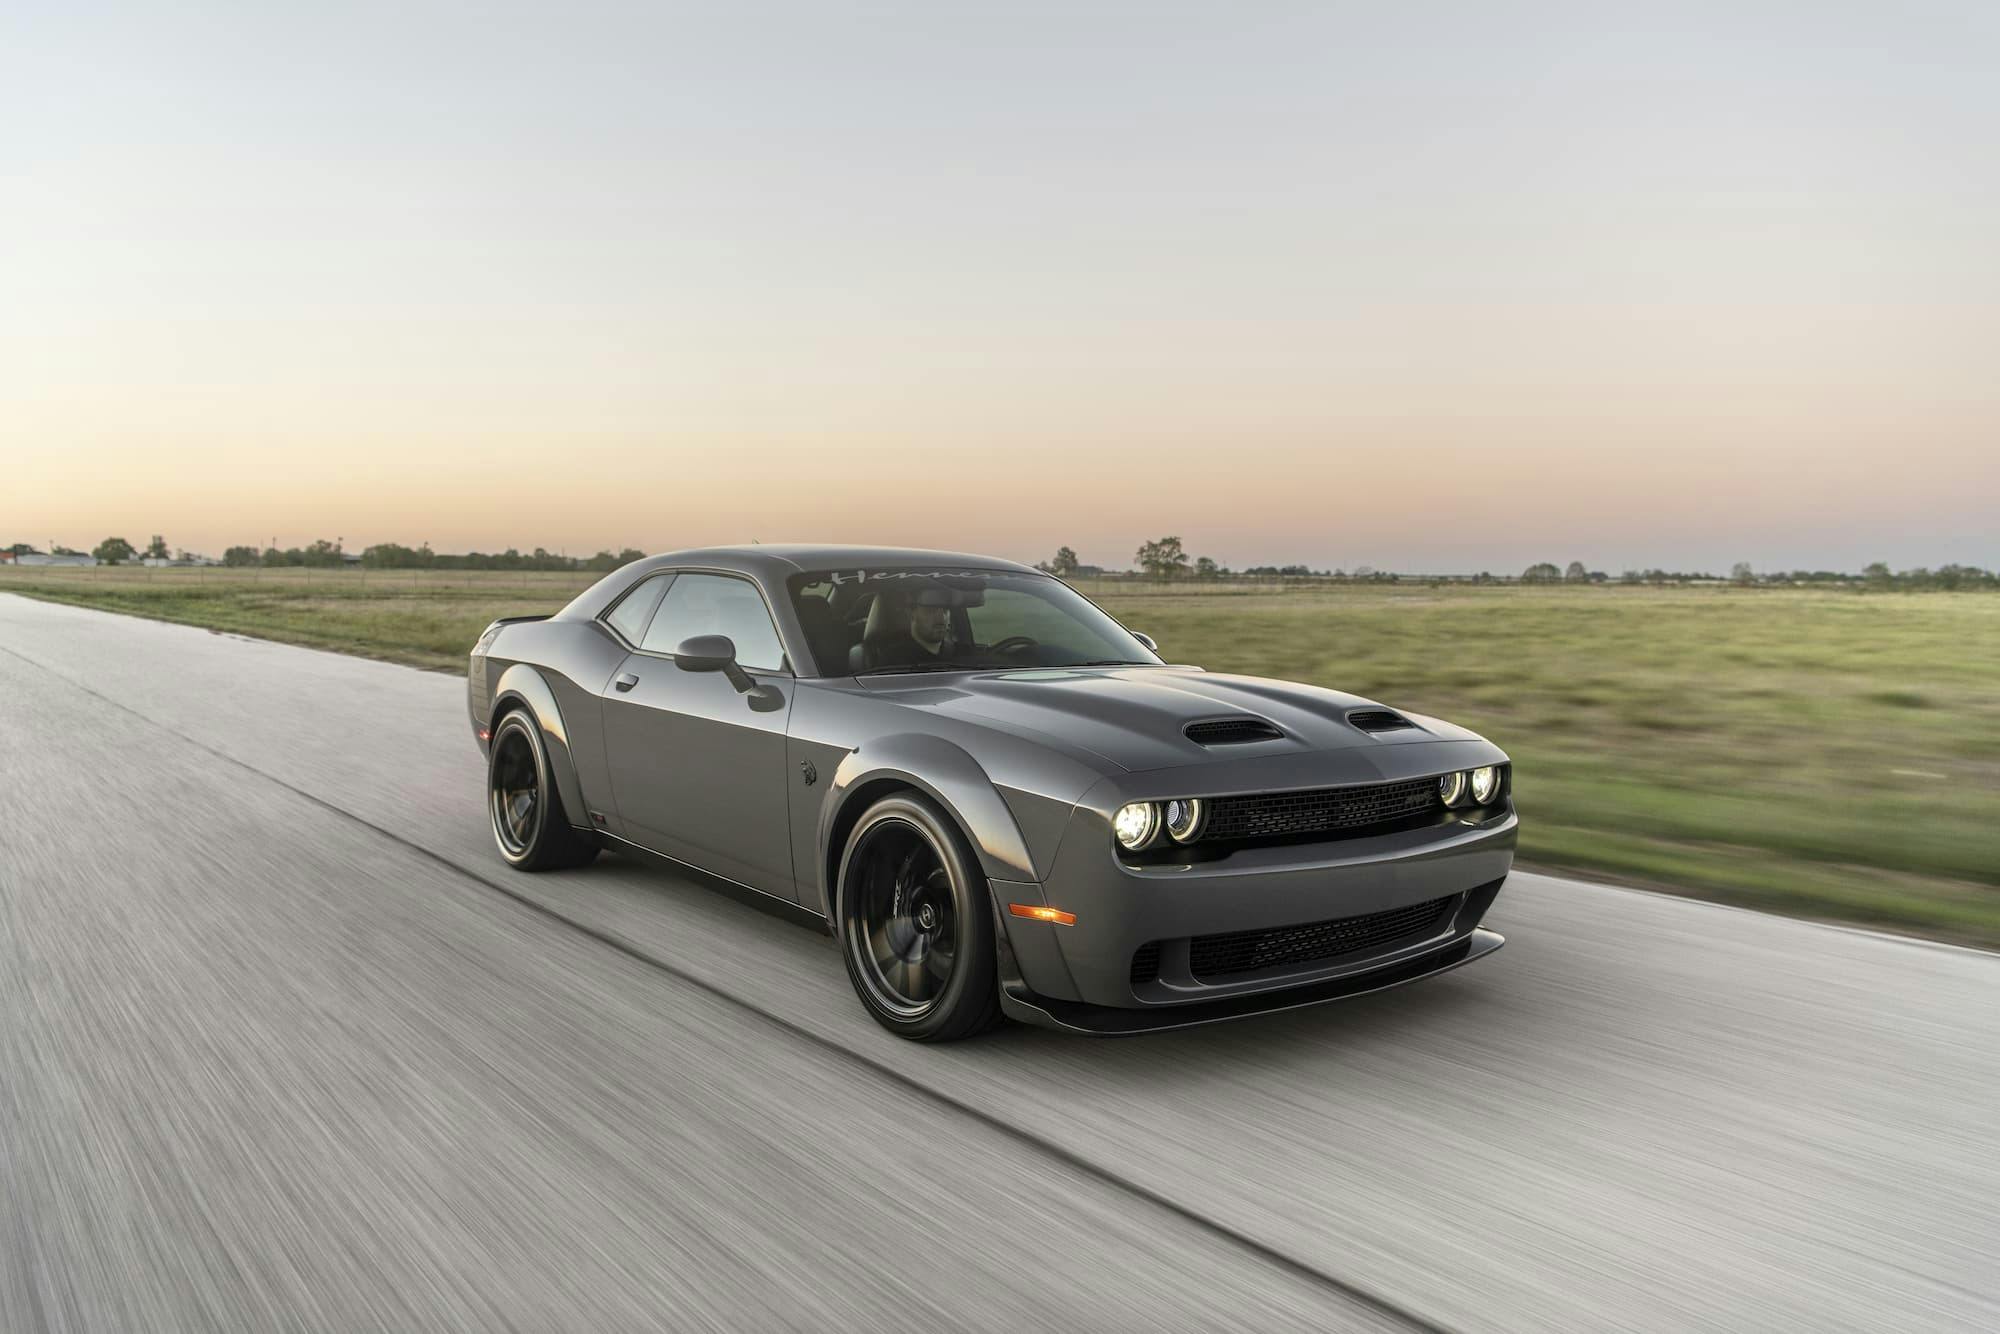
{"points": [[1379, 720], [1248, 951], [1324, 810], [1230, 731], [1146, 963]]}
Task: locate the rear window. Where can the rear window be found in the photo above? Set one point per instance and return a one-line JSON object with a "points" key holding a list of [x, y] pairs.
{"points": [[635, 609]]}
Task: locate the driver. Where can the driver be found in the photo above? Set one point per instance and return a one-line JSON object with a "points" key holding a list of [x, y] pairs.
{"points": [[930, 636]]}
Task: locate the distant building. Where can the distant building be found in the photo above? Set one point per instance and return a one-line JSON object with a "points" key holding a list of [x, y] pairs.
{"points": [[43, 558], [185, 561]]}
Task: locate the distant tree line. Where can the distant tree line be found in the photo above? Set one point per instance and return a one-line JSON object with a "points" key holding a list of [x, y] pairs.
{"points": [[1166, 558], [396, 556]]}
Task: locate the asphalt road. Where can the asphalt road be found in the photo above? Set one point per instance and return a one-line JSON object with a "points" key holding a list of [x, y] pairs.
{"points": [[284, 1046]]}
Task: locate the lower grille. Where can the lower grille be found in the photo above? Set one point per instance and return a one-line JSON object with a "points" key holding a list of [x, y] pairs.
{"points": [[1319, 811], [1248, 951], [1146, 963]]}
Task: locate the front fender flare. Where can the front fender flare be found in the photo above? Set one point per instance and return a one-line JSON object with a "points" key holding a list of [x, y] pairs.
{"points": [[524, 685], [948, 775]]}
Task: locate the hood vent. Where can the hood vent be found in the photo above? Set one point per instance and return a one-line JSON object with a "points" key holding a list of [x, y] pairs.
{"points": [[1379, 720], [1231, 731]]}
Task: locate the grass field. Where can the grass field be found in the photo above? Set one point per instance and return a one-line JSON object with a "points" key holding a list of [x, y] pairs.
{"points": [[1825, 753]]}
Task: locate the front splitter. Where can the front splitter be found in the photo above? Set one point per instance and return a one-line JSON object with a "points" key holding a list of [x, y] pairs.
{"points": [[1105, 1021]]}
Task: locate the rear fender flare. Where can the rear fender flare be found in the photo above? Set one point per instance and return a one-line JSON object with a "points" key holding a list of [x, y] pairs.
{"points": [[523, 686]]}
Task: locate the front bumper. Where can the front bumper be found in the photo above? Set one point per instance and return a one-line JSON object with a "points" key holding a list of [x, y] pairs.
{"points": [[1084, 976]]}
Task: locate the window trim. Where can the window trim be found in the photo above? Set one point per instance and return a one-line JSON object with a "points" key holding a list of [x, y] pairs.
{"points": [[784, 668]]}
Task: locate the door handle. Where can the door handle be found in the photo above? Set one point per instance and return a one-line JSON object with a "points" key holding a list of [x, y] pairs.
{"points": [[625, 682]]}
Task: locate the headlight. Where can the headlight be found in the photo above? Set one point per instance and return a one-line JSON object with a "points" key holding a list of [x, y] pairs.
{"points": [[1451, 788], [1485, 784], [1185, 817], [1136, 825]]}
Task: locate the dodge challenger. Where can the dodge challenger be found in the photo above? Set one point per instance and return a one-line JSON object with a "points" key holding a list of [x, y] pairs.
{"points": [[997, 799]]}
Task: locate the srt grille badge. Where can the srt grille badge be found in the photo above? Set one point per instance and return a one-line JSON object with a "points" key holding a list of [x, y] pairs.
{"points": [[811, 774]]}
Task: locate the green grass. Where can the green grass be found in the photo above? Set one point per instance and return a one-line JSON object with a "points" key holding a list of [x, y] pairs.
{"points": [[425, 619], [1829, 754]]}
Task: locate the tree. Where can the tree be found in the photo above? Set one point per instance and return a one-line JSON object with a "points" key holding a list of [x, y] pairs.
{"points": [[112, 550], [1062, 565], [1576, 573], [1206, 568], [1741, 573], [237, 557], [1164, 558], [1542, 572], [1876, 575], [157, 548]]}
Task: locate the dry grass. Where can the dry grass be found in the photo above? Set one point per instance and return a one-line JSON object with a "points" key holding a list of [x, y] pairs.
{"points": [[1831, 753]]}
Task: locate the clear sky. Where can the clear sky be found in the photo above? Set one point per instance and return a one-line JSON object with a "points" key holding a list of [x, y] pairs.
{"points": [[1422, 286]]}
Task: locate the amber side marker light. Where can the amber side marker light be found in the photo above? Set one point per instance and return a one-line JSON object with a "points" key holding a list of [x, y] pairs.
{"points": [[1056, 915]]}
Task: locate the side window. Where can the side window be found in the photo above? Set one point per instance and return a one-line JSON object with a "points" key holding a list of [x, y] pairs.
{"points": [[629, 617], [715, 604]]}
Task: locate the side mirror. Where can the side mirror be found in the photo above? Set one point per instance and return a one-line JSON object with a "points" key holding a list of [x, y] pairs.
{"points": [[713, 653], [1147, 640]]}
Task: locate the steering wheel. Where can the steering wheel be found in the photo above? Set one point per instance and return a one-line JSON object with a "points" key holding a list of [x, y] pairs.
{"points": [[1013, 644]]}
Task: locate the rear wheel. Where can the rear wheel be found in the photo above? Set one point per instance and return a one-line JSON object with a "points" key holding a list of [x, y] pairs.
{"points": [[529, 826], [916, 923]]}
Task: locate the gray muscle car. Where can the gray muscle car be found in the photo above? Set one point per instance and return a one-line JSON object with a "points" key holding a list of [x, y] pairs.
{"points": [[997, 799]]}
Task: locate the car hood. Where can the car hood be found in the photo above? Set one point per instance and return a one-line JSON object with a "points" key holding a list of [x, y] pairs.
{"points": [[1134, 716]]}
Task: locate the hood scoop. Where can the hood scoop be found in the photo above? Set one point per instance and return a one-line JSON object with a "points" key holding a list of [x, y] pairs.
{"points": [[1379, 720], [1231, 731]]}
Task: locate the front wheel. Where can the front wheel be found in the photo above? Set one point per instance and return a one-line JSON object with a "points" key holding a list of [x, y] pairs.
{"points": [[529, 826], [916, 924]]}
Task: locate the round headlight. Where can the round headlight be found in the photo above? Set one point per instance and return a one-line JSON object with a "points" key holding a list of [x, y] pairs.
{"points": [[1185, 817], [1451, 788], [1136, 825], [1485, 784]]}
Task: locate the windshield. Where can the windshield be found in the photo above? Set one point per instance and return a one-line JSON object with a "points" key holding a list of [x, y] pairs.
{"points": [[914, 620]]}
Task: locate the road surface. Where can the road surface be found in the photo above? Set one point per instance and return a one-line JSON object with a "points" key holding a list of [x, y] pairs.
{"points": [[284, 1046]]}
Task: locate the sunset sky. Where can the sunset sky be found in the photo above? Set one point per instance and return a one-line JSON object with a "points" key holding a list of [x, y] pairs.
{"points": [[1422, 286]]}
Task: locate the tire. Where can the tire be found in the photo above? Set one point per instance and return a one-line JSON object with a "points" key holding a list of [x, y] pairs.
{"points": [[522, 804], [915, 923]]}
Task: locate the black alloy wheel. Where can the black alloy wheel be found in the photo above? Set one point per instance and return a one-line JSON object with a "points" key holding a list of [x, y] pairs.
{"points": [[916, 923], [526, 812], [514, 786]]}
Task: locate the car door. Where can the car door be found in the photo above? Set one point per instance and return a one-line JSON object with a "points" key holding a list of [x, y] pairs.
{"points": [[698, 767]]}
